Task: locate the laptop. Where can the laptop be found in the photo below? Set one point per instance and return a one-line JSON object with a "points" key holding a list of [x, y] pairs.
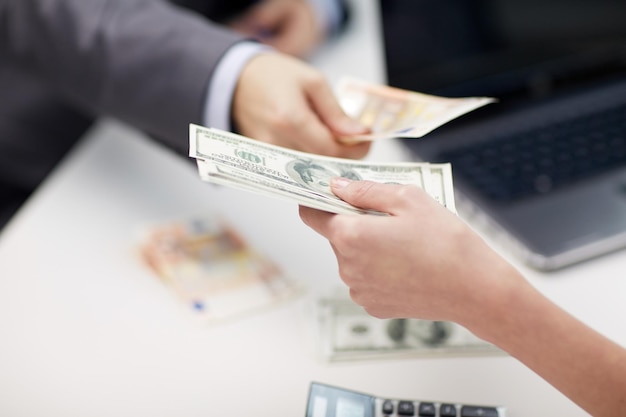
{"points": [[544, 169]]}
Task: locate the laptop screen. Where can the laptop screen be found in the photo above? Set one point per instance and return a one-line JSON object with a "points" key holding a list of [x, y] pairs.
{"points": [[510, 49], [542, 163]]}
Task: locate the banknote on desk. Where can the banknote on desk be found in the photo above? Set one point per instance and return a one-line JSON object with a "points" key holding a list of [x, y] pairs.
{"points": [[393, 112], [348, 333], [212, 269], [240, 162]]}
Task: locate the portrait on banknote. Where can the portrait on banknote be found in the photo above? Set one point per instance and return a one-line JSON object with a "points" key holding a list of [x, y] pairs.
{"points": [[346, 333], [316, 175], [229, 159]]}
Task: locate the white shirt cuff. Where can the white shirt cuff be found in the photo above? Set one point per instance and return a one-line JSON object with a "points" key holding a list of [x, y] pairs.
{"points": [[219, 96]]}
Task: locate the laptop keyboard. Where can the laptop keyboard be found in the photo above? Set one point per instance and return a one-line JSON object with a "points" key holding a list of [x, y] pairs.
{"points": [[543, 158]]}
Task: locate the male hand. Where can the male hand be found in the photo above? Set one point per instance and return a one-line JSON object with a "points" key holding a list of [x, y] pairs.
{"points": [[290, 26], [282, 100]]}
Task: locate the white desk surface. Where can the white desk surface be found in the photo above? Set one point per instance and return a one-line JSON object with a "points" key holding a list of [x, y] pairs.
{"points": [[87, 330]]}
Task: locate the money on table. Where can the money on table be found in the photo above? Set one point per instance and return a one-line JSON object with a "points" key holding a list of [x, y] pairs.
{"points": [[244, 163], [212, 269], [346, 332]]}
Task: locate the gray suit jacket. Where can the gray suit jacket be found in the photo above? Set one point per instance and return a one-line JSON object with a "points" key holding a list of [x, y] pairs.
{"points": [[65, 62]]}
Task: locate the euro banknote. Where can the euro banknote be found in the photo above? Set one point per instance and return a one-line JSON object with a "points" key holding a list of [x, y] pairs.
{"points": [[212, 270], [393, 112]]}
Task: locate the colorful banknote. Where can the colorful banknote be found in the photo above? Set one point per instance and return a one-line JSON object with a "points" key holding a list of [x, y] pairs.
{"points": [[212, 269], [392, 112]]}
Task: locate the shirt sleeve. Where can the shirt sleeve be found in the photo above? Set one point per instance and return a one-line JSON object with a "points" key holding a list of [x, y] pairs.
{"points": [[219, 97], [218, 103], [145, 62]]}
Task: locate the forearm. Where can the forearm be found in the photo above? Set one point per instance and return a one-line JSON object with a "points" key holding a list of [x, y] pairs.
{"points": [[423, 262], [144, 61], [575, 359]]}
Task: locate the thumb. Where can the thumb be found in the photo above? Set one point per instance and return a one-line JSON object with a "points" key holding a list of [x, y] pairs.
{"points": [[330, 112], [369, 195]]}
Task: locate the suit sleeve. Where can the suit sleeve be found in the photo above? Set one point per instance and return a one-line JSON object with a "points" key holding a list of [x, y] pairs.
{"points": [[147, 62]]}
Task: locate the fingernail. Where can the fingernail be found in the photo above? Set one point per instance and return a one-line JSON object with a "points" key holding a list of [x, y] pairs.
{"points": [[339, 182]]}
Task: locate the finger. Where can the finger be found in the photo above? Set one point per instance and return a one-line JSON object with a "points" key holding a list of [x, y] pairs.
{"points": [[387, 198], [354, 150], [312, 135], [318, 220], [268, 15], [289, 36], [315, 137], [340, 124], [330, 112]]}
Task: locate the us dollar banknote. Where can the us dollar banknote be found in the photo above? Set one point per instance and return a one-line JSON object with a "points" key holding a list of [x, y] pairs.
{"points": [[240, 162], [347, 333]]}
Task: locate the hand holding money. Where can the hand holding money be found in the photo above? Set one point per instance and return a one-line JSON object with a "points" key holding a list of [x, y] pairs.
{"points": [[392, 112], [230, 159]]}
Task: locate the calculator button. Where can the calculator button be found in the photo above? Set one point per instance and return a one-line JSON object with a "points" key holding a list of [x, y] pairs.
{"points": [[406, 408], [427, 409], [475, 411], [447, 410], [387, 407]]}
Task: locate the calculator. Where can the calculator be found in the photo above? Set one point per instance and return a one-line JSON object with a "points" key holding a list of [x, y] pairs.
{"points": [[330, 401]]}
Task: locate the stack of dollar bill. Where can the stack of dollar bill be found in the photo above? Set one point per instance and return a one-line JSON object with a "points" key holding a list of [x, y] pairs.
{"points": [[347, 333], [237, 161], [229, 159]]}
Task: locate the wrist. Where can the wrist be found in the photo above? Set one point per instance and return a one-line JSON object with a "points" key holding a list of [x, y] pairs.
{"points": [[499, 303]]}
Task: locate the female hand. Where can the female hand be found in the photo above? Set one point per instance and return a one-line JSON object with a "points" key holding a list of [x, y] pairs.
{"points": [[421, 261]]}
